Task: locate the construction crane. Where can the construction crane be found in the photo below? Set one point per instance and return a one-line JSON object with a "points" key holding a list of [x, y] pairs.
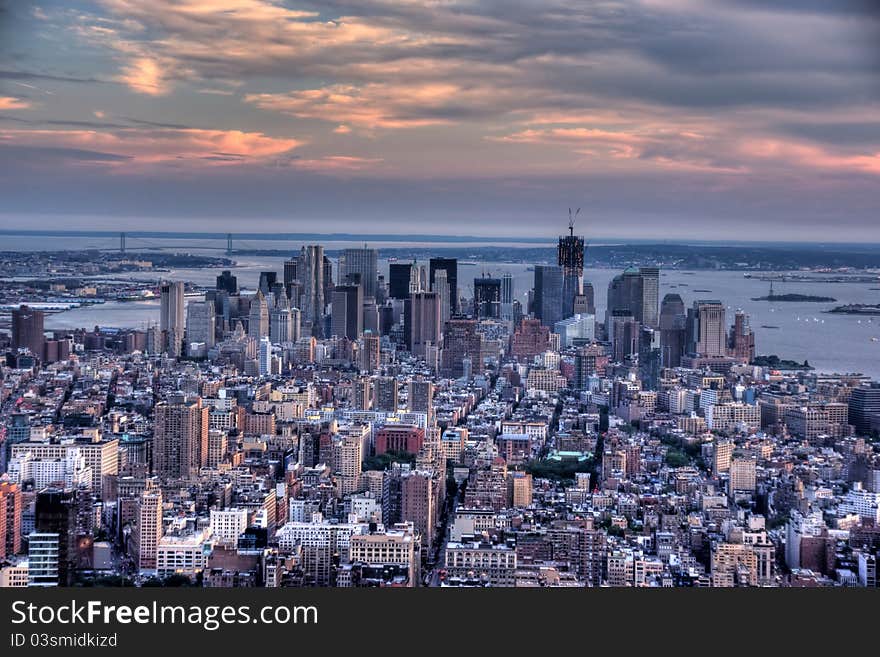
{"points": [[571, 219]]}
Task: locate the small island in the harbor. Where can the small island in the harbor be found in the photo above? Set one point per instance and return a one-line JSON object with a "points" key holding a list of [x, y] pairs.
{"points": [[795, 297], [857, 309], [775, 362]]}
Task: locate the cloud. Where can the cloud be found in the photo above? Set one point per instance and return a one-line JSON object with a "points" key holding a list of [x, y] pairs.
{"points": [[145, 76], [12, 103], [376, 105], [337, 164], [156, 146]]}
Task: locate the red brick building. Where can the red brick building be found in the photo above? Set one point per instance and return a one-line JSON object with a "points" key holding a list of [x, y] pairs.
{"points": [[530, 339], [399, 438]]}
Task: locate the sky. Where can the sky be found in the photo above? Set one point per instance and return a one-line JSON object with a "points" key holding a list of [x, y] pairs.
{"points": [[669, 119]]}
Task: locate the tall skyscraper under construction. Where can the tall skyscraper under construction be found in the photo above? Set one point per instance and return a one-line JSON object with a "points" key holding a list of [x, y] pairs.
{"points": [[570, 254]]}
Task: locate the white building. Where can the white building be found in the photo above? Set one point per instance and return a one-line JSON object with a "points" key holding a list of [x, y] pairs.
{"points": [[43, 557], [183, 555], [580, 327], [228, 524]]}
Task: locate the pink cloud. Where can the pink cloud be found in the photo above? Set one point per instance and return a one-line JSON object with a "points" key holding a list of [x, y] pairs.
{"points": [[337, 164], [376, 105], [799, 155], [12, 103], [160, 146]]}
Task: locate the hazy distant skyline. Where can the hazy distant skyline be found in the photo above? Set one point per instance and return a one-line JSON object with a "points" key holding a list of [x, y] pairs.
{"points": [[675, 119]]}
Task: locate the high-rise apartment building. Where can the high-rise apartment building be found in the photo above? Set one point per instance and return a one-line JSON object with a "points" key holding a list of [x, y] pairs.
{"points": [[10, 519], [371, 354], [180, 438], [27, 330], [420, 395], [149, 528], [347, 460], [172, 319], [385, 394]]}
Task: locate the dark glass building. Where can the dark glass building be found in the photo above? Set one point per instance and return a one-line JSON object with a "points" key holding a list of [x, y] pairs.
{"points": [[450, 265]]}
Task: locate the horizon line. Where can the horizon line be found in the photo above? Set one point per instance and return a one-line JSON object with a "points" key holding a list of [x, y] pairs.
{"points": [[400, 237]]}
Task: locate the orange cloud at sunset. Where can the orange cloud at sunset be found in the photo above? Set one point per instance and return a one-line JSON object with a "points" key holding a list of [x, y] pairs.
{"points": [[156, 146]]}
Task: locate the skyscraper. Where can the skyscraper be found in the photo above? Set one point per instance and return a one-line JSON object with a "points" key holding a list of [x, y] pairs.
{"points": [[385, 394], [624, 334], [347, 464], [441, 287], [370, 315], [673, 322], [27, 330], [227, 282], [650, 358], [55, 513], [864, 405], [450, 266], [742, 338], [570, 256], [200, 320], [10, 519], [650, 296], [548, 294], [371, 353], [149, 527], [172, 319], [460, 342], [425, 321], [362, 262], [707, 331], [586, 303], [327, 268], [420, 394], [487, 298], [507, 296], [310, 269], [264, 356], [291, 272], [346, 312], [267, 281], [398, 279], [180, 438], [258, 317], [283, 323]]}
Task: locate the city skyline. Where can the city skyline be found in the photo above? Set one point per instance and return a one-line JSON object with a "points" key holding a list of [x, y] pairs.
{"points": [[691, 118]]}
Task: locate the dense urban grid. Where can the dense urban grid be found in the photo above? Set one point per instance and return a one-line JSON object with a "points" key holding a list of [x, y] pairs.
{"points": [[342, 428]]}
